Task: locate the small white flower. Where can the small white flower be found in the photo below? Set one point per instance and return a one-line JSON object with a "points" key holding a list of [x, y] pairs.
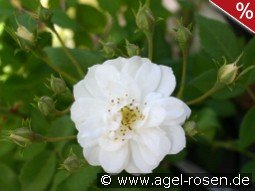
{"points": [[93, 3], [171, 5], [67, 36], [45, 3], [125, 117], [24, 33]]}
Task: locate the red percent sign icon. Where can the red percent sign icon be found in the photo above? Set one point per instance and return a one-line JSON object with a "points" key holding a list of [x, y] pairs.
{"points": [[243, 11]]}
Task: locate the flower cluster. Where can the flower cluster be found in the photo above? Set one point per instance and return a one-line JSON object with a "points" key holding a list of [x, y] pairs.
{"points": [[125, 116]]}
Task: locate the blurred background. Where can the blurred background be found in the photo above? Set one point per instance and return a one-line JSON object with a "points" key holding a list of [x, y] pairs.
{"points": [[96, 30]]}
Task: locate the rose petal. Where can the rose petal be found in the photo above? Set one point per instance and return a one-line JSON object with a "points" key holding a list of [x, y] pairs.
{"points": [[80, 91], [92, 155], [93, 127], [139, 160], [148, 77], [85, 108], [87, 141], [168, 82], [91, 83], [115, 85], [109, 144], [118, 63], [132, 168], [114, 161], [177, 138], [132, 66], [176, 111], [154, 116]]}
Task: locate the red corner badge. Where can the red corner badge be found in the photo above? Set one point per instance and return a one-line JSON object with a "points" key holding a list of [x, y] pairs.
{"points": [[243, 11]]}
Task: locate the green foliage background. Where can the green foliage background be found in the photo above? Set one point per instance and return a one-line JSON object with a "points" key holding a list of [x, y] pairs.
{"points": [[22, 77]]}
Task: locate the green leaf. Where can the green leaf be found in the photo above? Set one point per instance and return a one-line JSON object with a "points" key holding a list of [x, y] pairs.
{"points": [[84, 57], [246, 70], [249, 60], [248, 56], [30, 4], [60, 18], [39, 123], [59, 177], [90, 19], [112, 6], [76, 148], [161, 47], [26, 20], [217, 39], [80, 180], [62, 127], [205, 81], [33, 150], [83, 39], [223, 108], [37, 173], [8, 179], [202, 62], [44, 39], [6, 9], [247, 130], [207, 123], [6, 147], [27, 74], [176, 158], [249, 168], [229, 92]]}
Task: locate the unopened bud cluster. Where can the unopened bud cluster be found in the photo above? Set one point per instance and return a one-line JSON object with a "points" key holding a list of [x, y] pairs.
{"points": [[132, 49], [24, 136], [71, 163], [25, 38], [183, 36], [145, 20], [110, 49], [45, 15], [228, 73], [46, 105], [57, 85], [190, 128], [25, 34]]}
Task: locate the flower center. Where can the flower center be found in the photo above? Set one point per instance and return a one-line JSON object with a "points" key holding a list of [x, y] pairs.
{"points": [[129, 117]]}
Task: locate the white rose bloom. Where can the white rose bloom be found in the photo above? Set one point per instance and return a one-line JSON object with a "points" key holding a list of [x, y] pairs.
{"points": [[67, 36], [171, 5], [24, 33], [125, 115]]}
